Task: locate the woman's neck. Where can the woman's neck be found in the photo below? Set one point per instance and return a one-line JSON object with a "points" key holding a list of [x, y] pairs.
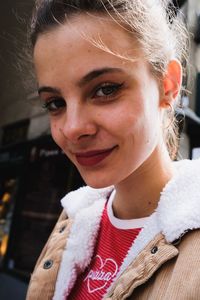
{"points": [[138, 195]]}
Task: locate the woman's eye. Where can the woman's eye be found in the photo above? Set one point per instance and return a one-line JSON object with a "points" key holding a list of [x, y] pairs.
{"points": [[54, 104], [107, 89]]}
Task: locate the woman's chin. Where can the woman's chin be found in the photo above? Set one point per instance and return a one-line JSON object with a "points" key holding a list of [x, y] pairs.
{"points": [[97, 184]]}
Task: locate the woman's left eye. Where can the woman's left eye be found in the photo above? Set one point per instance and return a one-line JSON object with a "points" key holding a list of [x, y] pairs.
{"points": [[107, 89]]}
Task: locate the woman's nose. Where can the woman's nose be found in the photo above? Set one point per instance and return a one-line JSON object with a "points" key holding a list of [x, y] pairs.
{"points": [[78, 124]]}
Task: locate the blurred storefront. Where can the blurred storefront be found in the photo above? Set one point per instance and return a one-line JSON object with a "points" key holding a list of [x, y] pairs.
{"points": [[34, 176], [192, 107]]}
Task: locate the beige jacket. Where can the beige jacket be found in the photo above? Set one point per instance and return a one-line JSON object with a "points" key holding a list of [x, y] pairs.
{"points": [[162, 264]]}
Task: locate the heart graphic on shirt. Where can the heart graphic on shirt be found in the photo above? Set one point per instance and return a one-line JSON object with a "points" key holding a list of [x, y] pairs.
{"points": [[102, 274]]}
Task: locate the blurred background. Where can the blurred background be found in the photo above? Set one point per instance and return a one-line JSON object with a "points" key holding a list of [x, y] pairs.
{"points": [[34, 173]]}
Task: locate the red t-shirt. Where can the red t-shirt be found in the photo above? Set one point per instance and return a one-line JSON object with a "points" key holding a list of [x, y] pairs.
{"points": [[113, 243]]}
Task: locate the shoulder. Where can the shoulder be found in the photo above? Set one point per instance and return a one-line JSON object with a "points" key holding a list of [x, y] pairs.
{"points": [[186, 265], [189, 246], [185, 272], [47, 266], [178, 277]]}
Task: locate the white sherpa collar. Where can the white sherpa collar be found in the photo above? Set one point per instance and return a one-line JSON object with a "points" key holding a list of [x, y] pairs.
{"points": [[82, 198], [178, 210], [84, 207], [179, 206]]}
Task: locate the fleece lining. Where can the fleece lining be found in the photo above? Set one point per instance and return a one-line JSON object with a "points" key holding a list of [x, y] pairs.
{"points": [[178, 211]]}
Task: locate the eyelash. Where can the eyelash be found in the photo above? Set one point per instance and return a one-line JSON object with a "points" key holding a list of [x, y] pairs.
{"points": [[58, 103], [114, 87], [53, 105]]}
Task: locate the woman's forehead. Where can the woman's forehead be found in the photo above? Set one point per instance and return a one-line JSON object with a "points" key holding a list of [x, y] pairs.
{"points": [[92, 31], [66, 54]]}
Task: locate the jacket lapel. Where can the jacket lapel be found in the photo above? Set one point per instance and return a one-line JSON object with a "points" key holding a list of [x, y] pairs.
{"points": [[85, 208], [147, 262]]}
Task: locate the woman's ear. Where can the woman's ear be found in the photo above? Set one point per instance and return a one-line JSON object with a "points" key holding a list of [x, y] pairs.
{"points": [[171, 83]]}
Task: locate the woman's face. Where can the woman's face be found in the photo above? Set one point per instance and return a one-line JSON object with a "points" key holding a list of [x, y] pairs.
{"points": [[104, 110]]}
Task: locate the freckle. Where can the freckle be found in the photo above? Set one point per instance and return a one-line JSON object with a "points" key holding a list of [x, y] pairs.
{"points": [[149, 203]]}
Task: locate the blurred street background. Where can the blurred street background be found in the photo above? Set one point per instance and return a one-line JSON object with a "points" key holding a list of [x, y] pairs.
{"points": [[34, 173]]}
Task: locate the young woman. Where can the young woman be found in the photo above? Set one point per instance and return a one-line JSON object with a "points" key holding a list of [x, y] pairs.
{"points": [[109, 74]]}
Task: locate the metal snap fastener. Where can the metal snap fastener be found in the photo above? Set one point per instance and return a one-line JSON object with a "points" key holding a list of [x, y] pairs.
{"points": [[62, 229], [48, 264], [154, 249]]}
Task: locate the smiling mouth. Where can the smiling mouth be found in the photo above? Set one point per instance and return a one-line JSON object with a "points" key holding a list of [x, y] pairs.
{"points": [[92, 158]]}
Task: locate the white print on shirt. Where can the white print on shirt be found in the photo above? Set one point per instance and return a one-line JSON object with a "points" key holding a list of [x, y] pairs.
{"points": [[103, 273]]}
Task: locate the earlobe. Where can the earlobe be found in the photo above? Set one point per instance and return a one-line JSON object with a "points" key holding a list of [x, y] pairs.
{"points": [[172, 82]]}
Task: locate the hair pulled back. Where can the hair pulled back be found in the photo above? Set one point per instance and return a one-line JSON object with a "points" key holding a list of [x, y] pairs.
{"points": [[156, 25]]}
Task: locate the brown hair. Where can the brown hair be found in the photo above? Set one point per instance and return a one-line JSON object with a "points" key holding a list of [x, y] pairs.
{"points": [[156, 24]]}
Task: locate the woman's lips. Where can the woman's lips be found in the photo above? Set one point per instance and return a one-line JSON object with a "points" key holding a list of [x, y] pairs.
{"points": [[92, 158]]}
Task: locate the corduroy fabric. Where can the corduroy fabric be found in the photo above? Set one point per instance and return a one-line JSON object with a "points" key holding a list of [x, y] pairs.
{"points": [[171, 272], [162, 273], [179, 278], [42, 284], [155, 254]]}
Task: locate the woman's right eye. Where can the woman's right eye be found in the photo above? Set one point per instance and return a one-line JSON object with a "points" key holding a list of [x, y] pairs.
{"points": [[54, 104]]}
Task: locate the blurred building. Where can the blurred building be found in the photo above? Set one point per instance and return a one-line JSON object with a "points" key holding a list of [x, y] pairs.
{"points": [[192, 101], [34, 172]]}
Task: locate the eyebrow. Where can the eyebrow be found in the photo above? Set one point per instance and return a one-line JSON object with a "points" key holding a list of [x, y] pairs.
{"points": [[48, 89], [86, 79], [96, 73]]}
